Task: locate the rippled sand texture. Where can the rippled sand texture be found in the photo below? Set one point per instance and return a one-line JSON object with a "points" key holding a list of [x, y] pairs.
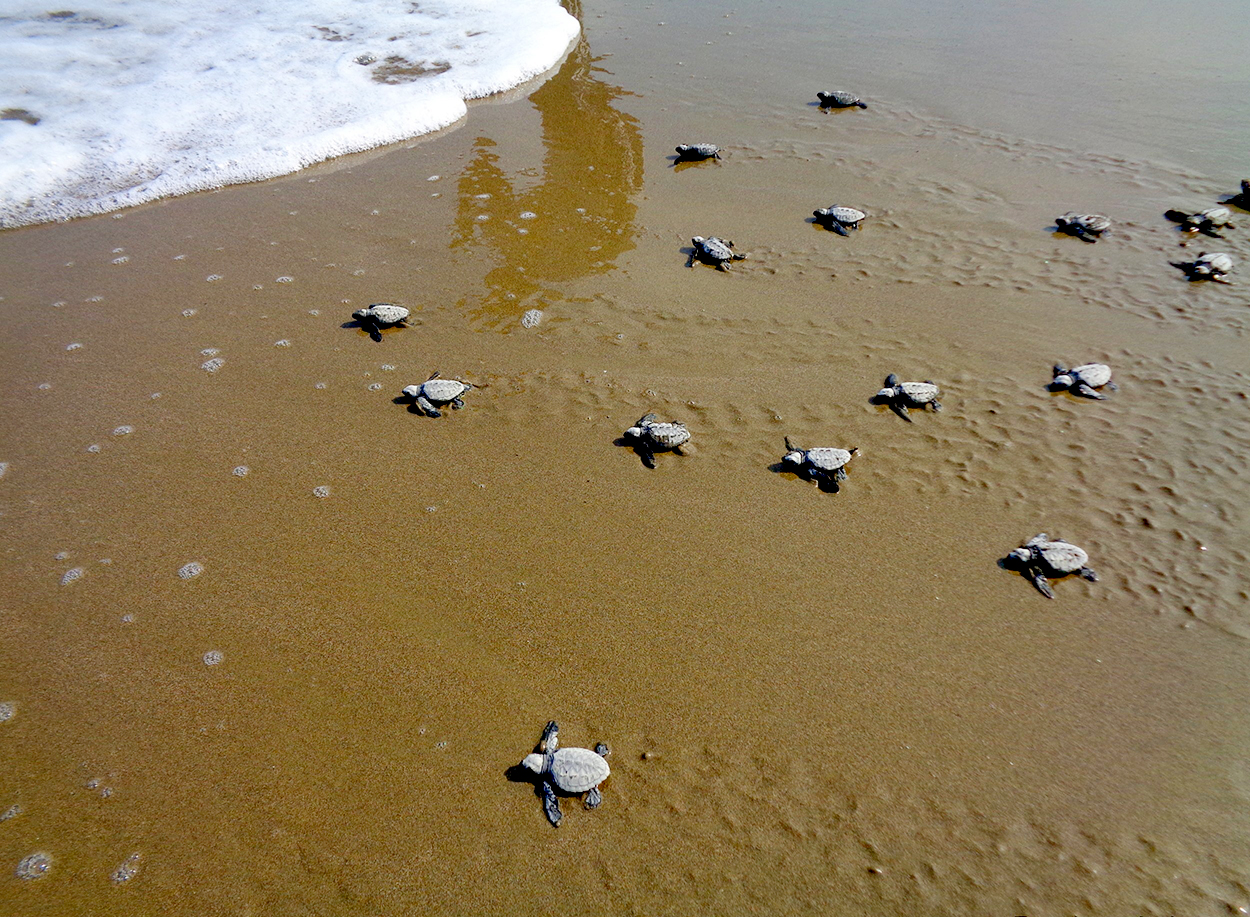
{"points": [[274, 643]]}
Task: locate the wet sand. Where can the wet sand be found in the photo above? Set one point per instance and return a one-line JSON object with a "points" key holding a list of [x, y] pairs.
{"points": [[817, 702]]}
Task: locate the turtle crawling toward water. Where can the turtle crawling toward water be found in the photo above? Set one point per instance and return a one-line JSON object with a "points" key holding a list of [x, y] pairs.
{"points": [[903, 395], [651, 436], [713, 251], [435, 391], [574, 771], [839, 218], [1083, 380], [1088, 227], [1040, 558], [824, 465], [840, 98], [1212, 266], [381, 315], [1209, 221], [697, 152]]}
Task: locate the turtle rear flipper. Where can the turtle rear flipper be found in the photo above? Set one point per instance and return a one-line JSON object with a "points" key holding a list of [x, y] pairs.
{"points": [[551, 804], [594, 798], [1089, 574], [1042, 584]]}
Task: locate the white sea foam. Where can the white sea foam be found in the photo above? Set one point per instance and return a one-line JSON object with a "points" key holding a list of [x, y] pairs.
{"points": [[126, 101]]}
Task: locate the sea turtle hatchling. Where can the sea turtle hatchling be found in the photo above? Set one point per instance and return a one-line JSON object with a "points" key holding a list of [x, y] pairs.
{"points": [[823, 464], [1208, 221], [839, 218], [1083, 380], [381, 315], [713, 251], [696, 152], [903, 395], [840, 98], [435, 391], [1086, 226], [651, 436], [1040, 558], [1209, 266], [570, 770]]}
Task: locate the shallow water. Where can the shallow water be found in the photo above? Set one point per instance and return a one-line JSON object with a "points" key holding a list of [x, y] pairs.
{"points": [[817, 702]]}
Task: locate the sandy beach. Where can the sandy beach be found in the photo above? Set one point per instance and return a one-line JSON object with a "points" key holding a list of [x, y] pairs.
{"points": [[274, 643]]}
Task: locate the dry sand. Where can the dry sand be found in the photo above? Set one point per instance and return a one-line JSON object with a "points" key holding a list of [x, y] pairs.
{"points": [[817, 702]]}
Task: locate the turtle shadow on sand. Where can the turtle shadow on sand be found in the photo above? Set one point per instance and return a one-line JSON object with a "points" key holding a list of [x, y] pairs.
{"points": [[824, 484], [370, 328], [681, 163], [645, 453], [889, 404]]}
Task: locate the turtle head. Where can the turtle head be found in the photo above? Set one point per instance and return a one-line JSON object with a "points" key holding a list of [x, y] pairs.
{"points": [[697, 240], [412, 391], [1245, 187], [633, 433], [1062, 380], [891, 380], [795, 458], [362, 315], [534, 762], [886, 394], [683, 149], [1019, 557]]}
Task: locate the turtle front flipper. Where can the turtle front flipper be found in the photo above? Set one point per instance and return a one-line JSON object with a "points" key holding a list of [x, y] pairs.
{"points": [[1042, 583], [427, 407], [594, 798], [838, 228], [1086, 392], [1089, 574], [1085, 236], [897, 406], [647, 454], [551, 804], [690, 260]]}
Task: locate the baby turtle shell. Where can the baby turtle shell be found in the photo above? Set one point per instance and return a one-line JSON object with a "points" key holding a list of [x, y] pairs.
{"points": [[1083, 380], [1040, 558], [839, 98], [570, 770], [694, 152], [1086, 226], [839, 218], [903, 395], [713, 251], [822, 464], [435, 391], [651, 436]]}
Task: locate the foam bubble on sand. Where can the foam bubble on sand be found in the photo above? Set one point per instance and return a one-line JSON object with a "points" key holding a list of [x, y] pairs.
{"points": [[213, 657], [34, 866], [197, 96], [7, 710], [193, 569], [72, 575], [128, 869]]}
